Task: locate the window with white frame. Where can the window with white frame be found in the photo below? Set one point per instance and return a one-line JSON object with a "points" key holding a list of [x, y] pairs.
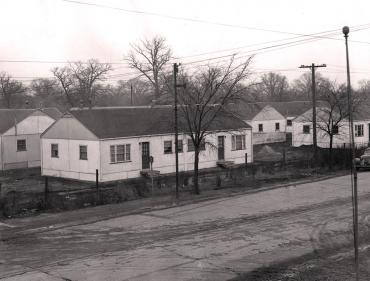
{"points": [[21, 145], [167, 147], [54, 150], [238, 142], [180, 146], [289, 122], [306, 129], [120, 153], [277, 126], [359, 130], [83, 152], [190, 145]]}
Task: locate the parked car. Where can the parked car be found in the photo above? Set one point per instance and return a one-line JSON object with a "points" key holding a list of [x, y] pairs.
{"points": [[364, 161]]}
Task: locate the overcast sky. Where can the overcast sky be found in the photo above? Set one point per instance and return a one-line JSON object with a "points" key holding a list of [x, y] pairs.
{"points": [[57, 30]]}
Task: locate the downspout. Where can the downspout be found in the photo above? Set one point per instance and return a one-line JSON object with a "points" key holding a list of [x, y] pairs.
{"points": [[100, 161], [2, 153], [251, 145], [41, 154]]}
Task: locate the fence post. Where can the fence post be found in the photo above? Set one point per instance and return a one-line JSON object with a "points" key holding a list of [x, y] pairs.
{"points": [[46, 191], [246, 161], [97, 184], [97, 179]]}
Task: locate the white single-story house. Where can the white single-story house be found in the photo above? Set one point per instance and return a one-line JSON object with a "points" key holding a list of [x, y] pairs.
{"points": [[268, 125], [291, 110], [303, 129], [20, 131], [120, 142]]}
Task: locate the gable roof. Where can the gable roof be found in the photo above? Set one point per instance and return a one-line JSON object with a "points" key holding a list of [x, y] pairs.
{"points": [[8, 117], [246, 111], [293, 108], [53, 112], [116, 122], [322, 115]]}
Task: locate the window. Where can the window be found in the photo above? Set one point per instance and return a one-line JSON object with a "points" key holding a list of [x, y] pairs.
{"points": [[277, 127], [191, 145], [238, 142], [289, 123], [335, 130], [54, 150], [306, 129], [83, 152], [120, 153], [260, 127], [359, 130], [202, 146], [180, 146], [21, 145], [167, 147]]}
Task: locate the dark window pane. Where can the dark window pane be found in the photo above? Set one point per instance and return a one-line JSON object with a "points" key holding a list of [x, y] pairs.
{"points": [[54, 150], [21, 145], [167, 147], [190, 145], [83, 152]]}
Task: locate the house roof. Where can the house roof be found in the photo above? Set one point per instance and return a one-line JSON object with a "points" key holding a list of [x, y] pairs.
{"points": [[8, 117], [115, 122], [53, 112], [293, 108], [362, 113], [246, 111], [322, 114]]}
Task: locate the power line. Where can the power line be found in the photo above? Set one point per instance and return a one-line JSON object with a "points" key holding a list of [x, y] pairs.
{"points": [[313, 35], [261, 50], [140, 12]]}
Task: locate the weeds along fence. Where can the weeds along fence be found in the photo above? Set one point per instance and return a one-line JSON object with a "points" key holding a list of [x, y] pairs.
{"points": [[28, 191]]}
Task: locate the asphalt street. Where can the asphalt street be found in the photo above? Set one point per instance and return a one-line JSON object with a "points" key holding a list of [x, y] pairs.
{"points": [[212, 240]]}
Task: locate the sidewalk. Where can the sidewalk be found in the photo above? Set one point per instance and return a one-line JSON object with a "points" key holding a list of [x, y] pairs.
{"points": [[15, 227]]}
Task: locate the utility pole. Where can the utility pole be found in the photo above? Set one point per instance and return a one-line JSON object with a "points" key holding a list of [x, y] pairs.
{"points": [[131, 93], [175, 86], [314, 131], [353, 164]]}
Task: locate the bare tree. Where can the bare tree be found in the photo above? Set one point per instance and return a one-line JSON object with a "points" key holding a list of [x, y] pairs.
{"points": [[334, 114], [9, 88], [302, 88], [47, 92], [273, 87], [80, 81], [149, 57], [203, 101]]}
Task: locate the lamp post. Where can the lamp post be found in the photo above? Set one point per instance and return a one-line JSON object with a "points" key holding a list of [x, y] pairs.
{"points": [[353, 165]]}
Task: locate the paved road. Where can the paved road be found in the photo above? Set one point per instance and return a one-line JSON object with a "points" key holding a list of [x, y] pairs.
{"points": [[212, 240]]}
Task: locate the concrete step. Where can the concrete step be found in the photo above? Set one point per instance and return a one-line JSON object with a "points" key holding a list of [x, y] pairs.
{"points": [[150, 173], [225, 164]]}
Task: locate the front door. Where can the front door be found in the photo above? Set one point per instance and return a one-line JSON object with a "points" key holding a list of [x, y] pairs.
{"points": [[145, 155], [221, 147]]}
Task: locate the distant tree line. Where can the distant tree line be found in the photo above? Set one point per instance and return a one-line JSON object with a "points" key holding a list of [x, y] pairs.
{"points": [[86, 84]]}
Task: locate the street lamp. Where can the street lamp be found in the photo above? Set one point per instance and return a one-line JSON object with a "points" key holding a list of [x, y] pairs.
{"points": [[353, 165]]}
